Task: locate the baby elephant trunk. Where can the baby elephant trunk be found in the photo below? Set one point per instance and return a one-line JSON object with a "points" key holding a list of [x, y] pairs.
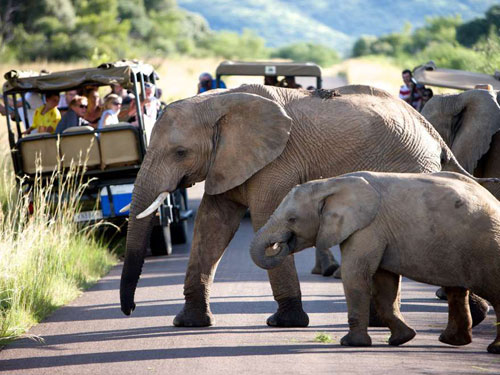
{"points": [[269, 252]]}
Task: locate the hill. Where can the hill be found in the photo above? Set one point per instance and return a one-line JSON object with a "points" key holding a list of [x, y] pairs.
{"points": [[334, 23]]}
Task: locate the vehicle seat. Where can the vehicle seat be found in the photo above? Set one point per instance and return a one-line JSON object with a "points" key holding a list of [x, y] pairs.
{"points": [[119, 145], [40, 145], [80, 144]]}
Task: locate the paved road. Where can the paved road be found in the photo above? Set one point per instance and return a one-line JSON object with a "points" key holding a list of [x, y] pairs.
{"points": [[91, 336]]}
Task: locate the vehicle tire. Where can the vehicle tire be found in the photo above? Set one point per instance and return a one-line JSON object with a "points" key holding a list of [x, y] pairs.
{"points": [[179, 231], [160, 241]]}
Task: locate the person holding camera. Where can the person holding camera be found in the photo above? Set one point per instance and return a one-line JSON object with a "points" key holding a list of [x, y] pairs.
{"points": [[206, 82]]}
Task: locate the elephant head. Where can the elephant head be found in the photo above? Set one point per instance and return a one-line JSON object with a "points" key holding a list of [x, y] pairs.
{"points": [[323, 213], [467, 122], [223, 137]]}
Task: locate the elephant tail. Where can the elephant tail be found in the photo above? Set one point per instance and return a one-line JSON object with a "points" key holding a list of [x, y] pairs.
{"points": [[450, 163]]}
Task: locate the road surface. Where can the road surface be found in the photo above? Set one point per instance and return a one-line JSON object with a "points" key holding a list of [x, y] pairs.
{"points": [[92, 336]]}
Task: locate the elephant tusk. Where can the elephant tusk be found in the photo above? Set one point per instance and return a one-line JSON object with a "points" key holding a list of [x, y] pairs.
{"points": [[154, 206], [125, 208], [274, 250]]}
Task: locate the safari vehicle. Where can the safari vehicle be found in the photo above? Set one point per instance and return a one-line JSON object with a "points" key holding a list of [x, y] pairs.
{"points": [[114, 153], [268, 69], [429, 74]]}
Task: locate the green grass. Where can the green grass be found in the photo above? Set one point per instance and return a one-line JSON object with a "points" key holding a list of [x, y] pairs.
{"points": [[46, 260], [323, 338]]}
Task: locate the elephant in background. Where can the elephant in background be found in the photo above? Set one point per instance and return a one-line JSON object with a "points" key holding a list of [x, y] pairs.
{"points": [[469, 123], [391, 224], [251, 145]]}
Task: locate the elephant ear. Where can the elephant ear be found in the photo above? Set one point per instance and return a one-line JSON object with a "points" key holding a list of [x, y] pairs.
{"points": [[251, 132], [350, 204], [474, 119]]}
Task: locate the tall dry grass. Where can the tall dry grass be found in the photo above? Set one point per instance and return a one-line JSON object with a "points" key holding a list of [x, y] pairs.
{"points": [[46, 259]]}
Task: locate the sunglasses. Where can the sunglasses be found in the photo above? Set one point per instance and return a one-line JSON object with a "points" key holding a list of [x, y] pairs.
{"points": [[117, 103], [82, 106]]}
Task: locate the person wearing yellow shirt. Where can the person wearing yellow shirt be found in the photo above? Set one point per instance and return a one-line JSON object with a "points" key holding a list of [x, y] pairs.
{"points": [[47, 116]]}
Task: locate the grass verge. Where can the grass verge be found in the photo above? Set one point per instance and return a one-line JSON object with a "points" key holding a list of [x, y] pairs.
{"points": [[46, 260]]}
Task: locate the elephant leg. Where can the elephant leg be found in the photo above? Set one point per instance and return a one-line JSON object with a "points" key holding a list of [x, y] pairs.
{"points": [[478, 306], [286, 291], [459, 329], [385, 294], [216, 223], [284, 282], [325, 263], [494, 347], [357, 295]]}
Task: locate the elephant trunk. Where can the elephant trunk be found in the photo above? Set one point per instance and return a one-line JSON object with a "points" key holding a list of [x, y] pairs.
{"points": [[138, 235], [269, 247]]}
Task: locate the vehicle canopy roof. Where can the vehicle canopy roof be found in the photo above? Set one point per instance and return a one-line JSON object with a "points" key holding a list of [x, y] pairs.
{"points": [[268, 68], [430, 74], [120, 72]]}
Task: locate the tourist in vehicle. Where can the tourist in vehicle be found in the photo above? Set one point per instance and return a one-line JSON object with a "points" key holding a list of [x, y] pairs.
{"points": [[426, 96], [75, 114], [65, 99], [271, 81], [118, 89], [33, 101], [289, 82], [112, 106], [418, 91], [405, 91], [206, 82], [47, 116], [94, 109]]}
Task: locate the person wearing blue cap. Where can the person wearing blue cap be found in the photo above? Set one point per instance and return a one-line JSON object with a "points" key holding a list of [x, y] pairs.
{"points": [[206, 82]]}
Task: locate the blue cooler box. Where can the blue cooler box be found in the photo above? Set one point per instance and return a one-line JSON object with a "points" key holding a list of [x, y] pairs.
{"points": [[122, 196]]}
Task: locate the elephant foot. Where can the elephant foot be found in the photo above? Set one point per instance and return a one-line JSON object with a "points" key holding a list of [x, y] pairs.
{"points": [[289, 314], [441, 294], [325, 263], [494, 347], [478, 308], [356, 339], [404, 335], [316, 270], [191, 317], [457, 338], [337, 274]]}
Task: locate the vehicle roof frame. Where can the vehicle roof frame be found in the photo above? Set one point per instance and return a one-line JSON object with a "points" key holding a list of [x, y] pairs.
{"points": [[132, 75], [268, 68]]}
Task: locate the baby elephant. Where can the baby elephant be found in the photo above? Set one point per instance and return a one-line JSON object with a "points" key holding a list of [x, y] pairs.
{"points": [[441, 229]]}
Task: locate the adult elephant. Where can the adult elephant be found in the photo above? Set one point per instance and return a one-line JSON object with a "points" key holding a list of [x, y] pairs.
{"points": [[251, 145], [469, 123]]}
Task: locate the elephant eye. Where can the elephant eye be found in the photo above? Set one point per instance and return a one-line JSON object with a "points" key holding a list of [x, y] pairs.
{"points": [[292, 220], [180, 152]]}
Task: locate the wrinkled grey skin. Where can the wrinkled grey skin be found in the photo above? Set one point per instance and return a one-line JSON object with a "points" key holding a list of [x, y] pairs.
{"points": [[391, 224], [469, 123], [251, 145]]}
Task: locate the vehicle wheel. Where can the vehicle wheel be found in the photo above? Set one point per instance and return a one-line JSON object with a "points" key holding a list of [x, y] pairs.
{"points": [[179, 230], [160, 241]]}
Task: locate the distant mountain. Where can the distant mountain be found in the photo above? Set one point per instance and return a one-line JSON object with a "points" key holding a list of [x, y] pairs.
{"points": [[334, 23]]}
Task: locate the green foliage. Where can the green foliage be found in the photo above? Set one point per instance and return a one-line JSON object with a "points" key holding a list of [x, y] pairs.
{"points": [[230, 45], [447, 41], [308, 52], [323, 338], [106, 30]]}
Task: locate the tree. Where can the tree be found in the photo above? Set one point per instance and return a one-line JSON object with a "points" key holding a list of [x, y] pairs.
{"points": [[7, 11], [304, 51]]}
